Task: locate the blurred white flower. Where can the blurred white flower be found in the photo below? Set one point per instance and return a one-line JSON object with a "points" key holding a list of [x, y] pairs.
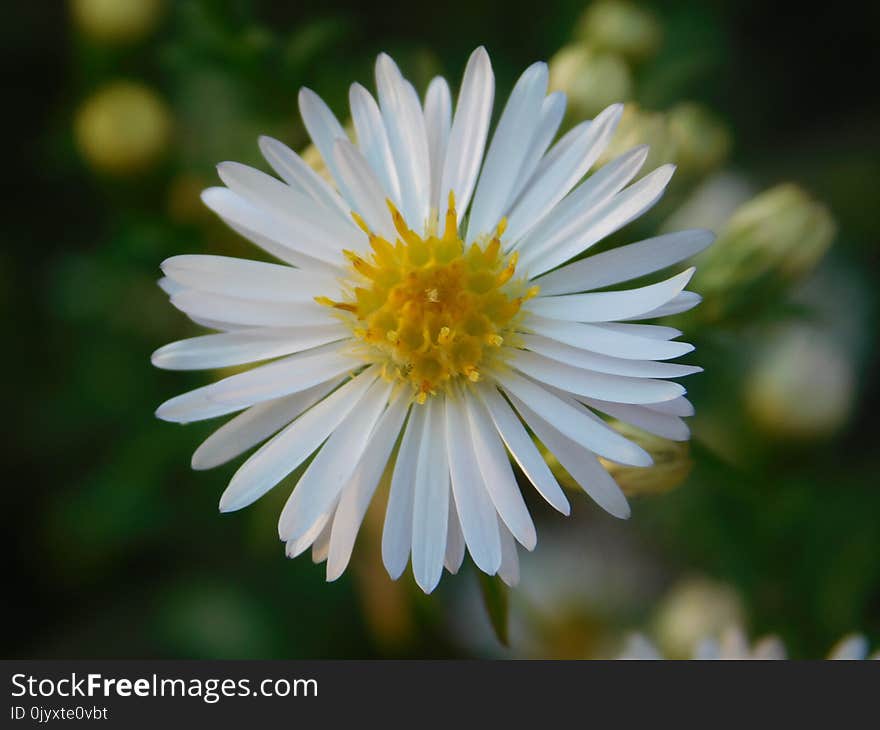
{"points": [[694, 608], [733, 644]]}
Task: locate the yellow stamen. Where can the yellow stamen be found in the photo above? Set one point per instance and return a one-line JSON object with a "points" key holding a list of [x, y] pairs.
{"points": [[361, 223], [432, 311]]}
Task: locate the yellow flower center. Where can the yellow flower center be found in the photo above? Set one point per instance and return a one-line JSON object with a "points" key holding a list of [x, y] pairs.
{"points": [[432, 310]]}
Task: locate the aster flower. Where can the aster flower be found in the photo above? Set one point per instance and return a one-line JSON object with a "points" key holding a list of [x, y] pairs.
{"points": [[734, 644], [426, 311]]}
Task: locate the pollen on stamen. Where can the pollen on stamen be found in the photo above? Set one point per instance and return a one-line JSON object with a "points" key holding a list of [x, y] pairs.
{"points": [[430, 309]]}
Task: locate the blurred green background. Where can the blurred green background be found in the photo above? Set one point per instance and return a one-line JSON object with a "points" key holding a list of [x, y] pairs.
{"points": [[119, 111]]}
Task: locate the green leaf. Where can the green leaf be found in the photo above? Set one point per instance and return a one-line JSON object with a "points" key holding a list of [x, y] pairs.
{"points": [[495, 599]]}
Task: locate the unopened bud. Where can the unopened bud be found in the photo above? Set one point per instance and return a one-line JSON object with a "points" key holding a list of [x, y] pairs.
{"points": [[672, 463], [702, 140], [123, 128], [591, 80], [770, 242], [621, 27], [116, 21], [802, 386], [638, 126]]}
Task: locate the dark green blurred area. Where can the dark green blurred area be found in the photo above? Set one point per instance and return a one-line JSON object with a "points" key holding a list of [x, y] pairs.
{"points": [[114, 548]]}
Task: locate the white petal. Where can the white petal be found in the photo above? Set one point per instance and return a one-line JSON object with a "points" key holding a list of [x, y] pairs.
{"points": [[250, 312], [467, 138], [625, 262], [275, 379], [256, 424], [651, 331], [430, 500], [367, 197], [638, 647], [574, 422], [708, 649], [682, 302], [660, 424], [314, 229], [552, 111], [304, 246], [604, 220], [246, 279], [281, 377], [216, 324], [498, 474], [454, 540], [373, 139], [582, 465], [324, 129], [194, 405], [522, 448], [554, 182], [334, 464], [297, 173], [321, 545], [567, 217], [734, 644], [280, 456], [479, 523], [397, 533], [295, 548], [244, 346], [269, 236], [603, 363], [608, 339], [611, 305], [617, 388], [508, 571], [507, 152], [357, 494], [438, 120], [168, 286], [405, 124], [679, 407], [853, 646], [769, 648]]}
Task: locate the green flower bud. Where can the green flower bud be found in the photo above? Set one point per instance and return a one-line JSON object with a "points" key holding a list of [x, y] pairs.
{"points": [[802, 386], [621, 27], [123, 128], [770, 242], [116, 21], [701, 138], [591, 80], [672, 463], [638, 126]]}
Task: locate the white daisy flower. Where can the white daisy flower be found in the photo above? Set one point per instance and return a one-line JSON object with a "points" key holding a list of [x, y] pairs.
{"points": [[426, 311], [733, 644]]}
